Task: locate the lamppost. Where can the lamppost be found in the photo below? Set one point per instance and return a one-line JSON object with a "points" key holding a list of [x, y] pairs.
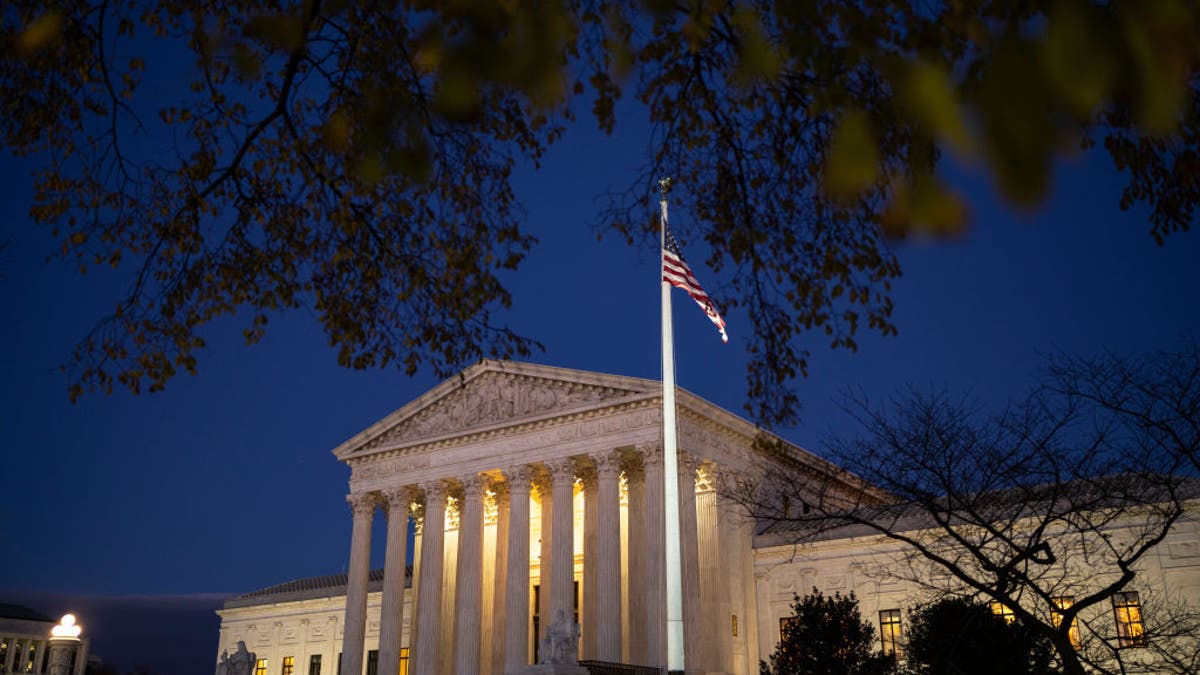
{"points": [[64, 644]]}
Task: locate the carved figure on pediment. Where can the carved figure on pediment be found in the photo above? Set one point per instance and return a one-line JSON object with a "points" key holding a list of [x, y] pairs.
{"points": [[492, 398], [543, 398], [241, 662], [561, 644]]}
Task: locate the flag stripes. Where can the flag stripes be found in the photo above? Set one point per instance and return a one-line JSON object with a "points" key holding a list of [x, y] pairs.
{"points": [[677, 273]]}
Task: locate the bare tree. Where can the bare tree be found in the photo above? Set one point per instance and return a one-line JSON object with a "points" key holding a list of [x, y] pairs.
{"points": [[1154, 398], [1049, 509]]}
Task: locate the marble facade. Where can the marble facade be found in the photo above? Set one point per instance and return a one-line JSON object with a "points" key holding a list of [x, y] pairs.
{"points": [[492, 456], [546, 488], [525, 440]]}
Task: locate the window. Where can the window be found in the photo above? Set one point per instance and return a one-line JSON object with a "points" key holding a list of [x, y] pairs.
{"points": [[260, 667], [3, 652], [1062, 603], [1002, 610], [785, 627], [1127, 609], [404, 661], [889, 631], [17, 650], [314, 664], [373, 662], [289, 665]]}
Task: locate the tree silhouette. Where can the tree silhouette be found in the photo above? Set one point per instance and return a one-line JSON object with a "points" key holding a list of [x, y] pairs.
{"points": [[1050, 508], [355, 158], [827, 636], [955, 636]]}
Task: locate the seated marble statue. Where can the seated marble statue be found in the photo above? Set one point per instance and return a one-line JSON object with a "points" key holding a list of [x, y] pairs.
{"points": [[240, 663], [561, 644]]}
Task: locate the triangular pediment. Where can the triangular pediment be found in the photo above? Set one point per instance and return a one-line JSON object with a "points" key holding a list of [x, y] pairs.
{"points": [[494, 394]]}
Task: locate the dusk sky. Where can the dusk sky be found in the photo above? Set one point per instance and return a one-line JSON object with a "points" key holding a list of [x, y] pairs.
{"points": [[225, 483]]}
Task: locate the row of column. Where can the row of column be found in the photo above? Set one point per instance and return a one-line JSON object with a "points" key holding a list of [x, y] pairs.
{"points": [[509, 643], [52, 655]]}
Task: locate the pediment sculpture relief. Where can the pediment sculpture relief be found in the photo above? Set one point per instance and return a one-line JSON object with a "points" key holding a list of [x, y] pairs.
{"points": [[493, 398]]}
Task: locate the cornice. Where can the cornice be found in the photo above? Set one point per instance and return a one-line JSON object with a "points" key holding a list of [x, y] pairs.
{"points": [[512, 369], [506, 430]]}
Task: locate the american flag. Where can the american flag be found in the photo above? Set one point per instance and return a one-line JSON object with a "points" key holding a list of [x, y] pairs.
{"points": [[677, 273]]}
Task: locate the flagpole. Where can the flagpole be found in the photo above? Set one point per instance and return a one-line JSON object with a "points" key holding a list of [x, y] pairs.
{"points": [[670, 463]]}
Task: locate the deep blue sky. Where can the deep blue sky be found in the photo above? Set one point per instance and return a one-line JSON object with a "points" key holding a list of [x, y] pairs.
{"points": [[225, 482]]}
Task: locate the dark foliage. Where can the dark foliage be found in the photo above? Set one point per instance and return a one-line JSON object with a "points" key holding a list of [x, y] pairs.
{"points": [[955, 636], [241, 158], [827, 636]]}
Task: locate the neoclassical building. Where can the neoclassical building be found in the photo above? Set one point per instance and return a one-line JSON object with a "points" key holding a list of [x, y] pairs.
{"points": [[537, 491], [27, 644]]}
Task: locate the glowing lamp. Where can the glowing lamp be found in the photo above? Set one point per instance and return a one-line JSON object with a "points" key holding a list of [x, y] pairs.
{"points": [[66, 628]]}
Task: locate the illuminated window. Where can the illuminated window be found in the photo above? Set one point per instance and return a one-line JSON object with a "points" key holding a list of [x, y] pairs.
{"points": [[786, 624], [31, 656], [1061, 603], [404, 661], [889, 631], [314, 664], [289, 665], [16, 647], [260, 667], [1002, 610], [3, 652], [1127, 609]]}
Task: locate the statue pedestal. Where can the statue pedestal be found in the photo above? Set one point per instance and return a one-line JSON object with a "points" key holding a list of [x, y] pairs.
{"points": [[61, 651], [555, 669]]}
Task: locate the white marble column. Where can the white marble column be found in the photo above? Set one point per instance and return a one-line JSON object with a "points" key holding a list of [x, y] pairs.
{"points": [[9, 657], [499, 585], [608, 557], [469, 585], [750, 594], [363, 506], [516, 594], [729, 524], [425, 658], [414, 611], [562, 559], [693, 635], [714, 592], [635, 570], [391, 619], [545, 551], [656, 565], [590, 587]]}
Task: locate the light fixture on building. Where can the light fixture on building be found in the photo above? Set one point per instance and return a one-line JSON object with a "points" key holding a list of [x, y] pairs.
{"points": [[66, 629]]}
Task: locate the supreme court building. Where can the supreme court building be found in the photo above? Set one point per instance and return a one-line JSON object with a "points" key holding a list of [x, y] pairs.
{"points": [[537, 490]]}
